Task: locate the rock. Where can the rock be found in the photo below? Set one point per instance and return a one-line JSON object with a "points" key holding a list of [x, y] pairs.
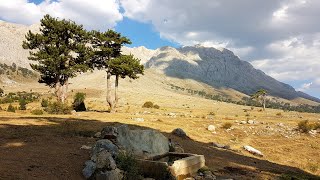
{"points": [[209, 176], [115, 174], [142, 142], [313, 132], [97, 135], [103, 144], [85, 147], [220, 145], [243, 122], [175, 147], [189, 178], [211, 128], [250, 122], [89, 169], [253, 150], [105, 160], [179, 132], [138, 119], [109, 132]]}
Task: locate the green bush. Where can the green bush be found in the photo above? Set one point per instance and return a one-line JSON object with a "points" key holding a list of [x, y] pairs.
{"points": [[11, 108], [44, 103], [22, 104], [148, 104], [37, 112], [304, 126], [1, 92], [78, 102], [156, 106], [129, 164], [227, 125], [58, 108]]}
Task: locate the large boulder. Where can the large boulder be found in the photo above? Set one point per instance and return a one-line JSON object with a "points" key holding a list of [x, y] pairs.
{"points": [[142, 143], [109, 132]]}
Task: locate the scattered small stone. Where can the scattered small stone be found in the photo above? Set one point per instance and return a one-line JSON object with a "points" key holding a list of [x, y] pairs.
{"points": [[97, 135], [138, 119], [243, 122], [89, 169], [220, 145], [250, 122], [179, 132], [211, 128], [85, 147], [253, 150], [313, 132]]}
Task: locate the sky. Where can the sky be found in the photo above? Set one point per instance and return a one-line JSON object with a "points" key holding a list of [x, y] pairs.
{"points": [[280, 37]]}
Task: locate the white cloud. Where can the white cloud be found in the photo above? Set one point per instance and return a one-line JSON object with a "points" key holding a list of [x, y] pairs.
{"points": [[94, 14], [280, 37]]}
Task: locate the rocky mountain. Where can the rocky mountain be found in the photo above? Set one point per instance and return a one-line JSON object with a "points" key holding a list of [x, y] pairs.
{"points": [[218, 68]]}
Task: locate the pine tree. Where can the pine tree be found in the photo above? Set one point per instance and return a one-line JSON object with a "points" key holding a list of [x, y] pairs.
{"points": [[107, 46], [261, 95], [60, 52], [124, 66]]}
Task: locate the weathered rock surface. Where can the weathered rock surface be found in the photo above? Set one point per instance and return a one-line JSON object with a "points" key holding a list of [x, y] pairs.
{"points": [[104, 160], [89, 169], [104, 144], [115, 174], [253, 150], [142, 142], [179, 132]]}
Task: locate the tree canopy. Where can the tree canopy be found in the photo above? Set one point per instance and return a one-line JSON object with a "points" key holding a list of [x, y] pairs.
{"points": [[60, 52]]}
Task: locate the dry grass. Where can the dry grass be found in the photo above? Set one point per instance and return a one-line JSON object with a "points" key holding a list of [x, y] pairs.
{"points": [[192, 115]]}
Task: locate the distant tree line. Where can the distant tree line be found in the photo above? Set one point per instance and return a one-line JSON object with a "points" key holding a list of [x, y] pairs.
{"points": [[10, 69], [251, 101]]}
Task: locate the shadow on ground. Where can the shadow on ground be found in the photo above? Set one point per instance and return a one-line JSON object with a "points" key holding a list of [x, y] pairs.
{"points": [[52, 151]]}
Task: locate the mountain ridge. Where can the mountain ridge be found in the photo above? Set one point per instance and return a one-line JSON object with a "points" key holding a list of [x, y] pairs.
{"points": [[215, 67]]}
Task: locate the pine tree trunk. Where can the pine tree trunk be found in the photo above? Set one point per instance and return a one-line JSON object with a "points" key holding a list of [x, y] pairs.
{"points": [[61, 92], [116, 90], [110, 100], [64, 92]]}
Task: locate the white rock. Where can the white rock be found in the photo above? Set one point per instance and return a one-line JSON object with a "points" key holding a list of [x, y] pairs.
{"points": [[211, 128], [253, 150], [85, 147], [139, 119]]}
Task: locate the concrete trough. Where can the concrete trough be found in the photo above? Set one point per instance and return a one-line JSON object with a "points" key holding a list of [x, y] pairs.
{"points": [[178, 165]]}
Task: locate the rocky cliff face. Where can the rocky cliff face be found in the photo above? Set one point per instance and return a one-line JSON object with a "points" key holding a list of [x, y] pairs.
{"points": [[218, 68], [11, 37]]}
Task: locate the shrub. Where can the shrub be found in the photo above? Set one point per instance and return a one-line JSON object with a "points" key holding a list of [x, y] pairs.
{"points": [[156, 106], [58, 108], [11, 108], [212, 113], [227, 125], [44, 103], [279, 114], [129, 164], [1, 92], [22, 104], [37, 112], [148, 104], [78, 102], [304, 126]]}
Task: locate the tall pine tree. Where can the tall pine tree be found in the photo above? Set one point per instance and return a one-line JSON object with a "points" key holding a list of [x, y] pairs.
{"points": [[107, 46], [124, 66], [60, 53]]}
